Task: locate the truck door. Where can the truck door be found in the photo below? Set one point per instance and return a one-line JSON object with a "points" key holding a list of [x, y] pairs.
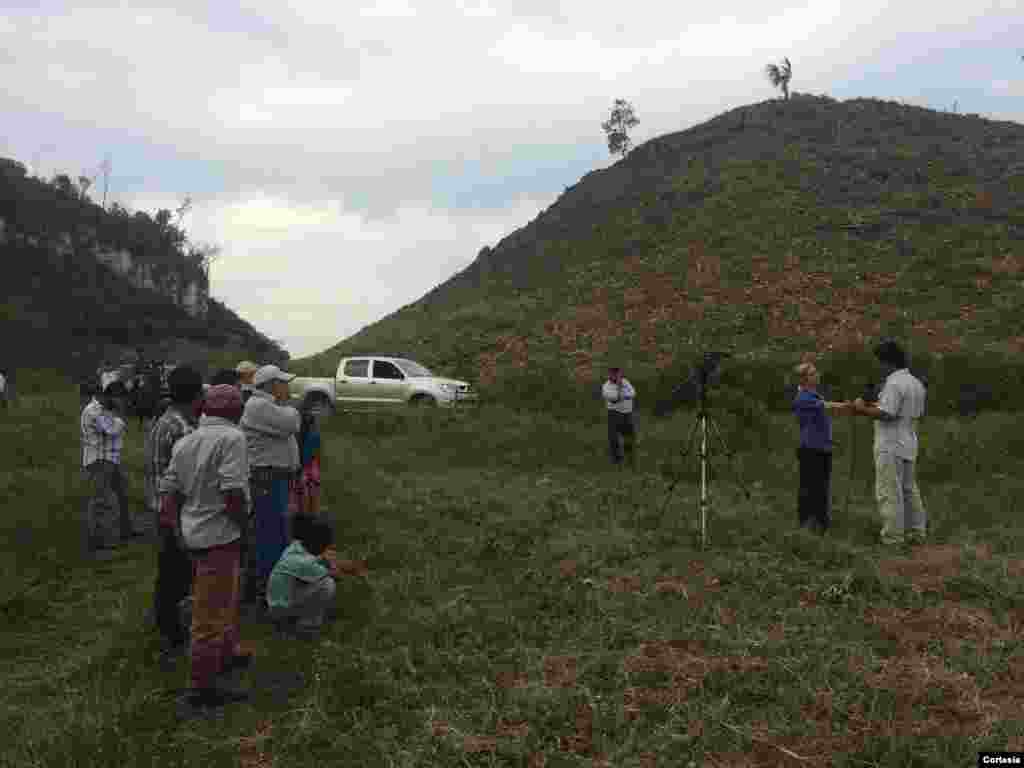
{"points": [[387, 383], [353, 382]]}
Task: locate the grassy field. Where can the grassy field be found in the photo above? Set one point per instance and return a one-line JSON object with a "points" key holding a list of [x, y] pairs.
{"points": [[528, 605]]}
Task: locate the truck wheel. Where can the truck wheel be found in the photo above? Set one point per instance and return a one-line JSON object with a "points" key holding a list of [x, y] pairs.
{"points": [[320, 405], [422, 400]]}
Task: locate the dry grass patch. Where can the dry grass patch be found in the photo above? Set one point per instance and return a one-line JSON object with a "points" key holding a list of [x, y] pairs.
{"points": [[440, 728], [687, 665], [927, 568], [581, 742], [509, 680], [560, 671], [954, 623], [623, 584], [478, 744], [250, 748], [516, 729], [951, 701]]}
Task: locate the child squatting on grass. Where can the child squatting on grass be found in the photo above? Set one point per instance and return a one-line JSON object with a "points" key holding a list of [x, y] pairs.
{"points": [[301, 588]]}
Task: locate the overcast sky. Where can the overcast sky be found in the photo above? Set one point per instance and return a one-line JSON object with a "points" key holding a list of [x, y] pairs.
{"points": [[350, 156]]}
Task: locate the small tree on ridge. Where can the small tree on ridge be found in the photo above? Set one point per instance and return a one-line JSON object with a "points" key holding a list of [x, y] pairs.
{"points": [[618, 126]]}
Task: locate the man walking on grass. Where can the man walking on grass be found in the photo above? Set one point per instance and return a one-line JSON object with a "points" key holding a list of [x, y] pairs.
{"points": [[206, 489], [618, 395], [815, 451], [106, 506], [174, 568], [900, 406]]}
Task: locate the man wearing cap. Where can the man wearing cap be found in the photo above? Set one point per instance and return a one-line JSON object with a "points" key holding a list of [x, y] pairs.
{"points": [[246, 370], [205, 490], [618, 396], [102, 430], [900, 406], [270, 426]]}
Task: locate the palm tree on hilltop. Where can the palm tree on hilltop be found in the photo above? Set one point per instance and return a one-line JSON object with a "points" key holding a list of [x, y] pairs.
{"points": [[780, 76]]}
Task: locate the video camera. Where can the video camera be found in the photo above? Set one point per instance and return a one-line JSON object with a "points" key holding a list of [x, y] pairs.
{"points": [[695, 387]]}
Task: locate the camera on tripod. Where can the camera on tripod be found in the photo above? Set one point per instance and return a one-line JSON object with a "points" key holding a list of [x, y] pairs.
{"points": [[695, 388]]}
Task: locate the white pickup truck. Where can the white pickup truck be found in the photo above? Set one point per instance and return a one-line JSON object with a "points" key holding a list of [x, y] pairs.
{"points": [[371, 380]]}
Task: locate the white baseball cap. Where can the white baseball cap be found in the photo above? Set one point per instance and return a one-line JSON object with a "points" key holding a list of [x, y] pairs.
{"points": [[270, 373]]}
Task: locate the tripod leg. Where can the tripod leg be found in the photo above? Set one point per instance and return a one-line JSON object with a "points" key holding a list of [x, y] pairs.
{"points": [[725, 448], [683, 454]]}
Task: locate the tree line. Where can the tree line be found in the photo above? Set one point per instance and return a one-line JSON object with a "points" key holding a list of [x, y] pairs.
{"points": [[44, 210]]}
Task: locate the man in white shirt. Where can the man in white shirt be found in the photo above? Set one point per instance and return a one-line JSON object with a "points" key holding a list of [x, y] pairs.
{"points": [[106, 506], [618, 395], [901, 405]]}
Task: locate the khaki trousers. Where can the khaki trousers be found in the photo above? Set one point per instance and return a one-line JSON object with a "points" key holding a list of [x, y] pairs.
{"points": [[899, 499]]}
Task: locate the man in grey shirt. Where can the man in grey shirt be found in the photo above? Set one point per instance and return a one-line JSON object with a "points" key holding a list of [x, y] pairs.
{"points": [[900, 406], [270, 426]]}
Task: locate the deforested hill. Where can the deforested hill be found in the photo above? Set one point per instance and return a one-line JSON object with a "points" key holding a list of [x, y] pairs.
{"points": [[84, 284], [772, 230]]}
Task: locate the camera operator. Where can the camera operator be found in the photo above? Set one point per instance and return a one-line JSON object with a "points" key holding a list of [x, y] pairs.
{"points": [[900, 405], [815, 451], [618, 395]]}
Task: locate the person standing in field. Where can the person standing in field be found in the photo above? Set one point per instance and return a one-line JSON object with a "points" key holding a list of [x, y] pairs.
{"points": [[270, 426], [901, 404], [246, 371], [174, 568], [815, 451], [206, 489], [102, 434], [3, 390], [305, 492], [619, 395]]}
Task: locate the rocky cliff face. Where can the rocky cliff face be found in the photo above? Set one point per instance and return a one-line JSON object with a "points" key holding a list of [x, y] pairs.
{"points": [[192, 294]]}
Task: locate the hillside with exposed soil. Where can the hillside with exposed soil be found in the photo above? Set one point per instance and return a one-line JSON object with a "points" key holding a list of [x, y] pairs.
{"points": [[772, 230]]}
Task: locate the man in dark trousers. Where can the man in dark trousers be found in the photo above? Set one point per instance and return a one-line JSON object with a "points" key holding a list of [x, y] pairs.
{"points": [[174, 568], [815, 451], [619, 395]]}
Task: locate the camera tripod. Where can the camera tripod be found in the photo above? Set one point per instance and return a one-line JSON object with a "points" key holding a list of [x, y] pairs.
{"points": [[706, 424]]}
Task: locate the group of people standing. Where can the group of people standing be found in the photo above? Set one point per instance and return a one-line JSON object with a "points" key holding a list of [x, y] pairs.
{"points": [[232, 488], [899, 408]]}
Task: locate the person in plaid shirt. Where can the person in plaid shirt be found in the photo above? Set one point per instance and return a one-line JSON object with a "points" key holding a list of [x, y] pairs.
{"points": [[174, 568], [106, 505]]}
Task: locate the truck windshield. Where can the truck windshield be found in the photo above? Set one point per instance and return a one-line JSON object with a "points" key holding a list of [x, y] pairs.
{"points": [[413, 369]]}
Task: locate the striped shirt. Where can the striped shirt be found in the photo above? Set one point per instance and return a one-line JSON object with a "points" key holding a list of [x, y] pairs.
{"points": [[102, 434], [166, 432]]}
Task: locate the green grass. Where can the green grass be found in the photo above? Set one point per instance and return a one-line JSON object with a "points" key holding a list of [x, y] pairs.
{"points": [[466, 521]]}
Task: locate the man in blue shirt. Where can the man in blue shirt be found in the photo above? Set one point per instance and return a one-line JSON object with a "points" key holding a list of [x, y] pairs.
{"points": [[815, 451]]}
